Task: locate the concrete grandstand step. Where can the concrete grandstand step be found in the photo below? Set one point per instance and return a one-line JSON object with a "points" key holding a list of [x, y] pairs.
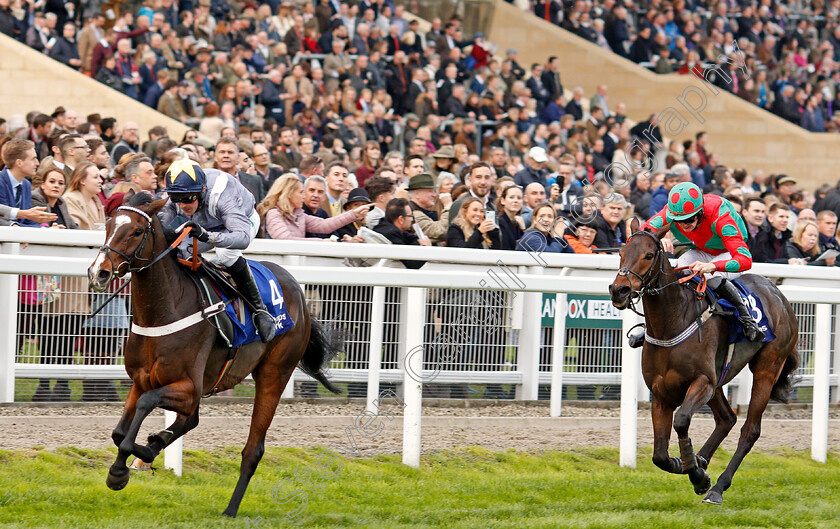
{"points": [[34, 81]]}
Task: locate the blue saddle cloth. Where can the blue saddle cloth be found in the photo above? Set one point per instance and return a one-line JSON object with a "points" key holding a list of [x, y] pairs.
{"points": [[244, 331], [754, 305]]}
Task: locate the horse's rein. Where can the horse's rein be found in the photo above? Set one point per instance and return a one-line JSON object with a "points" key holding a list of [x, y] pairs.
{"points": [[184, 234], [645, 288]]}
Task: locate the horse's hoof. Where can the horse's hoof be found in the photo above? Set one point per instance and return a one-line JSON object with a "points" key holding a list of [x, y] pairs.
{"points": [[714, 497], [117, 481], [702, 463], [704, 485]]}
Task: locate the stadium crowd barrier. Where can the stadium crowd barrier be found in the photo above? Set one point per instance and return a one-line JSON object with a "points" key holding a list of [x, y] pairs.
{"points": [[499, 309]]}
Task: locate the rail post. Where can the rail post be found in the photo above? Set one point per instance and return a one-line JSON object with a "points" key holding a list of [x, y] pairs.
{"points": [[558, 355], [529, 342], [415, 300], [822, 345], [631, 359], [8, 327], [377, 322], [173, 455]]}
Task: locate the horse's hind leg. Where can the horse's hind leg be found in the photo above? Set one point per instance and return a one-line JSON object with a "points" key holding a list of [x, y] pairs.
{"points": [[270, 380], [725, 420], [698, 394], [763, 380]]}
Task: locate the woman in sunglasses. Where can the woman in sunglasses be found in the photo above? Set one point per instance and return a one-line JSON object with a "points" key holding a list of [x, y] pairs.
{"points": [[717, 232]]}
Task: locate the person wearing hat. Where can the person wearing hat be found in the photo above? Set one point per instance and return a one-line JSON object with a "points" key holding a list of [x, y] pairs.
{"points": [[444, 159], [785, 186], [534, 170], [222, 215], [350, 232], [422, 197], [515, 69]]}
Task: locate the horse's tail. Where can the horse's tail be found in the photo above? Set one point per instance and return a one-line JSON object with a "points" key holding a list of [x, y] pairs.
{"points": [[323, 345], [783, 387]]}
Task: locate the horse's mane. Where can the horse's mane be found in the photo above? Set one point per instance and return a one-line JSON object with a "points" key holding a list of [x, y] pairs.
{"points": [[141, 199]]}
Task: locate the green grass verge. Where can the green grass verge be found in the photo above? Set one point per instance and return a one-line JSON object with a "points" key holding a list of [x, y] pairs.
{"points": [[469, 488]]}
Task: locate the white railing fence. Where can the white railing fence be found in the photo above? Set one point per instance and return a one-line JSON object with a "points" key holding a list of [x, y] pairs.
{"points": [[477, 316]]}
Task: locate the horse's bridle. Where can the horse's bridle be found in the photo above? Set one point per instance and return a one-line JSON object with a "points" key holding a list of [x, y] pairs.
{"points": [[129, 259], [644, 280]]}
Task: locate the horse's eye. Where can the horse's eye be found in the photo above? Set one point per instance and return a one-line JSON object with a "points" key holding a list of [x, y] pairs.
{"points": [[649, 256], [138, 232]]}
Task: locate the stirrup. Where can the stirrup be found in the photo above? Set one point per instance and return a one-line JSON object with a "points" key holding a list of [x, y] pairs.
{"points": [[636, 336], [759, 334], [271, 333]]}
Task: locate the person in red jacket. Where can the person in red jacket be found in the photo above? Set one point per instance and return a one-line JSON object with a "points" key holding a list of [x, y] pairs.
{"points": [[717, 232]]}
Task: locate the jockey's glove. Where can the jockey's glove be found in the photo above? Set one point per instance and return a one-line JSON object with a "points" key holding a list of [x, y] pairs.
{"points": [[198, 232]]}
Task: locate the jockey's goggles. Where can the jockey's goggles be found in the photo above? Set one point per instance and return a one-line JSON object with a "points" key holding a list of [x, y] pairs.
{"points": [[689, 220], [188, 198]]}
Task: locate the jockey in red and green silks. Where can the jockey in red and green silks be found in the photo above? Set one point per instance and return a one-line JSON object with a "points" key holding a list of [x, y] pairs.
{"points": [[717, 232]]}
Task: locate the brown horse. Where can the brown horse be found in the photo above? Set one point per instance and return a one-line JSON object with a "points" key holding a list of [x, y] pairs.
{"points": [[172, 371], [688, 375]]}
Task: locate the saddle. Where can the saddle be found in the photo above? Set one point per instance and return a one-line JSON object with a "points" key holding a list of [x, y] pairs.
{"points": [[721, 307], [219, 290]]}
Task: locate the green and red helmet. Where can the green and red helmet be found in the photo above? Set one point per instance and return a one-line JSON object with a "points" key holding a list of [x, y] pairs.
{"points": [[684, 201]]}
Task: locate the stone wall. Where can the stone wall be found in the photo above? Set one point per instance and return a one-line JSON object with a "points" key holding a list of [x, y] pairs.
{"points": [[33, 81]]}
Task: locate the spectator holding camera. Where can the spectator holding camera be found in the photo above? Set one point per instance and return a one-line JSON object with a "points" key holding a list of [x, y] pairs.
{"points": [[472, 229]]}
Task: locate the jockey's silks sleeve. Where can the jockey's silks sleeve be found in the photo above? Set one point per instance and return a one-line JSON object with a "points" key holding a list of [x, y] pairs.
{"points": [[721, 230], [224, 211]]}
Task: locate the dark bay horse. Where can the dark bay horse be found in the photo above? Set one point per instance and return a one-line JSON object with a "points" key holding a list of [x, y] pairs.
{"points": [[686, 376], [173, 370]]}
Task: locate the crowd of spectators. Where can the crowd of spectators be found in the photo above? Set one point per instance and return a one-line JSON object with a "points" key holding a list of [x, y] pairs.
{"points": [[552, 199], [782, 56]]}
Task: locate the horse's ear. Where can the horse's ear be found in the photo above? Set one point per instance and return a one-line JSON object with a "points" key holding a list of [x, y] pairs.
{"points": [[128, 196], [663, 230], [156, 206], [634, 225]]}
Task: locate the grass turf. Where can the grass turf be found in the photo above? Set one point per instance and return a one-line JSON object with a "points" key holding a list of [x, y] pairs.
{"points": [[468, 488]]}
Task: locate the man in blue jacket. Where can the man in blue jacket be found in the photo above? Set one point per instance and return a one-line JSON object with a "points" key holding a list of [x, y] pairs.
{"points": [[660, 195], [15, 190]]}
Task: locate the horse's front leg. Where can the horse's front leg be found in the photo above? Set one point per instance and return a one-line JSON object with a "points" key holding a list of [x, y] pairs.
{"points": [[663, 416], [128, 414], [698, 394], [176, 396], [183, 423]]}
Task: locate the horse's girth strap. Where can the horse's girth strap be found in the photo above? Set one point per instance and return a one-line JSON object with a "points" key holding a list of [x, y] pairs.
{"points": [[179, 325], [683, 336]]}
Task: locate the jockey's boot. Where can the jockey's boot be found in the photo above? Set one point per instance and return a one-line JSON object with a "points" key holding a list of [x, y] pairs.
{"points": [[728, 291], [263, 321]]}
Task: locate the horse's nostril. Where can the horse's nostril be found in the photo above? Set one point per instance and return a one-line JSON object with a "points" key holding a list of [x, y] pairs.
{"points": [[624, 289], [104, 275]]}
